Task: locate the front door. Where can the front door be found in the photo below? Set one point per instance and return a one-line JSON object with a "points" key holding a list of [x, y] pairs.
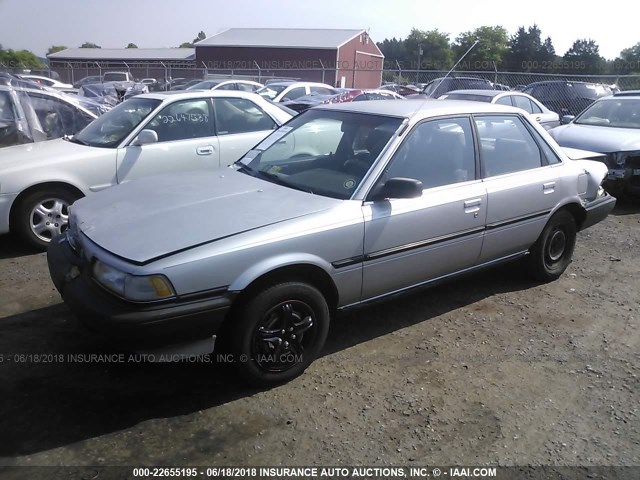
{"points": [[186, 141], [411, 241]]}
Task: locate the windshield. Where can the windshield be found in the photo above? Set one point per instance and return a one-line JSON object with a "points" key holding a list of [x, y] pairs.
{"points": [[271, 91], [110, 129], [616, 113], [322, 152], [204, 85], [115, 76]]}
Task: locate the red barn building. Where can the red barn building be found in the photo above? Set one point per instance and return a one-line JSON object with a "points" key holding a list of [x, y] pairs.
{"points": [[346, 58]]}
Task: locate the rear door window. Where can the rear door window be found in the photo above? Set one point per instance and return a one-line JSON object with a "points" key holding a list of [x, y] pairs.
{"points": [[506, 145]]}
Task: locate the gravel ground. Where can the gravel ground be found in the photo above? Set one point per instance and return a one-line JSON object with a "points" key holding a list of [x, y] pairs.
{"points": [[489, 369]]}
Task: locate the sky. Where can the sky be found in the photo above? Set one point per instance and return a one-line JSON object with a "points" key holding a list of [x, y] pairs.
{"points": [[37, 24]]}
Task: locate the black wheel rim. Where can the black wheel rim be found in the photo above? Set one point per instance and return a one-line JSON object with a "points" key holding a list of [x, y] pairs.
{"points": [[282, 336], [556, 246]]}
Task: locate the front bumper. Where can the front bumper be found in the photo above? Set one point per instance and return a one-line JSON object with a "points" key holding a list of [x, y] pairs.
{"points": [[6, 200], [140, 326], [597, 210]]}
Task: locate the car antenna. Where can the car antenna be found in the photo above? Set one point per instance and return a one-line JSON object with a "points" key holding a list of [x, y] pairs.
{"points": [[453, 68]]}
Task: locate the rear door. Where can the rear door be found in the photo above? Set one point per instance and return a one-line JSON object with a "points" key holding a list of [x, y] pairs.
{"points": [[186, 141], [522, 182], [411, 241], [240, 124]]}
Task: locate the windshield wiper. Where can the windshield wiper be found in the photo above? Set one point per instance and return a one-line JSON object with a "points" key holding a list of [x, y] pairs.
{"points": [[75, 140], [274, 178]]}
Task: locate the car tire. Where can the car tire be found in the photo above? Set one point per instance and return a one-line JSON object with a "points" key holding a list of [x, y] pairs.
{"points": [[278, 333], [550, 256], [43, 214]]}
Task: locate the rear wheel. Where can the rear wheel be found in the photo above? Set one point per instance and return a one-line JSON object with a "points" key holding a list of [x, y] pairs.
{"points": [[279, 332], [551, 254], [43, 214]]}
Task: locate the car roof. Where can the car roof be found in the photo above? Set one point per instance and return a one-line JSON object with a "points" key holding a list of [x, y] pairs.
{"points": [[485, 93], [627, 93], [297, 84], [419, 108], [186, 94]]}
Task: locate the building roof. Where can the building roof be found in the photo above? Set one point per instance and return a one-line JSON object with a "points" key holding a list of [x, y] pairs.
{"points": [[281, 38], [124, 54]]}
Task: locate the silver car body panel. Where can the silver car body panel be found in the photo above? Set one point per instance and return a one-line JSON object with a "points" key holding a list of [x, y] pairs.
{"points": [[597, 139]]}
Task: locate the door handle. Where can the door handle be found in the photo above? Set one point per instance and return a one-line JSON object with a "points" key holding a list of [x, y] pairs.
{"points": [[472, 206], [548, 187], [208, 150]]}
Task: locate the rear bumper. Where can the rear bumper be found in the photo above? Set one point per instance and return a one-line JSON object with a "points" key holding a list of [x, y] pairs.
{"points": [[598, 210], [134, 325]]}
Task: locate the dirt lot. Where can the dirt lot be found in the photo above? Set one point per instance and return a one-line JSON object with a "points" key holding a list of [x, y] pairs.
{"points": [[490, 369]]}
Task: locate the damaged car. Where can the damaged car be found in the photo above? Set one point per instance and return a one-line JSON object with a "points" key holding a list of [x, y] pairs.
{"points": [[345, 204], [610, 126], [30, 115]]}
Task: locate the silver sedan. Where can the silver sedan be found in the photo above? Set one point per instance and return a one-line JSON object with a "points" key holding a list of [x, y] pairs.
{"points": [[343, 205]]}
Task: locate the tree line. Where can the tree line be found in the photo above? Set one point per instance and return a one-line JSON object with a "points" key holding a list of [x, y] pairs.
{"points": [[524, 51]]}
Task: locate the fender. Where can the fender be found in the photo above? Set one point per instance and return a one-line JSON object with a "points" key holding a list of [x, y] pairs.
{"points": [[270, 264]]}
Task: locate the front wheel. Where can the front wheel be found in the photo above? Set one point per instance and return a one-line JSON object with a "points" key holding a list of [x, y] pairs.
{"points": [[279, 332], [43, 214], [551, 254]]}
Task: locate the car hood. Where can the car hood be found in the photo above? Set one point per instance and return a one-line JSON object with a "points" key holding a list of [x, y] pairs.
{"points": [[597, 139], [46, 153], [156, 216]]}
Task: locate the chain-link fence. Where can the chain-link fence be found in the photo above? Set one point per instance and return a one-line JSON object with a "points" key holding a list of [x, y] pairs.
{"points": [[565, 94]]}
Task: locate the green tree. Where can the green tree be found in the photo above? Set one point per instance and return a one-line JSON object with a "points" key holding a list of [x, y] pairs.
{"points": [[201, 36], [132, 45], [628, 61], [527, 52], [430, 48], [90, 45], [20, 59], [55, 49], [584, 58], [488, 53], [394, 50]]}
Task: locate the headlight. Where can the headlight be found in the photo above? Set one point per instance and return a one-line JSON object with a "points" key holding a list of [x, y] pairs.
{"points": [[138, 288]]}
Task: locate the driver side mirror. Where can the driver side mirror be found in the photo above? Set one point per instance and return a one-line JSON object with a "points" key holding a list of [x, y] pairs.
{"points": [[567, 119], [398, 188], [145, 137]]}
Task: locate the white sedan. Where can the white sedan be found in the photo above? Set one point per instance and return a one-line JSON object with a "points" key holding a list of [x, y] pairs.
{"points": [[532, 106], [146, 135]]}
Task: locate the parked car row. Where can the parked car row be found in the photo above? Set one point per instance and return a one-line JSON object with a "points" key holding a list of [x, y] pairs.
{"points": [[345, 203]]}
